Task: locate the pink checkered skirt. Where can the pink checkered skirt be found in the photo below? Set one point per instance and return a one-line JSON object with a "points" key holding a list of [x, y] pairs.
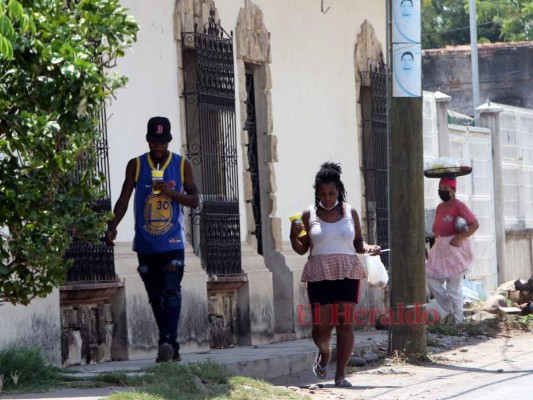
{"points": [[446, 261], [330, 267]]}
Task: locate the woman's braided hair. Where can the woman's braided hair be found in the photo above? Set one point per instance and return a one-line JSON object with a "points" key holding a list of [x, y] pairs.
{"points": [[330, 173]]}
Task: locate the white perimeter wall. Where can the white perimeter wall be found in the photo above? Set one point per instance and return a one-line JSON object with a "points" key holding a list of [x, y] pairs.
{"points": [[313, 93]]}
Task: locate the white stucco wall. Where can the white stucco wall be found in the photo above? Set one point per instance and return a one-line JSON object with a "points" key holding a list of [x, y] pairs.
{"points": [[151, 66], [36, 325], [313, 94]]}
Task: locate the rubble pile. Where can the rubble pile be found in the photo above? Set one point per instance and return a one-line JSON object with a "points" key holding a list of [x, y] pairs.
{"points": [[512, 297]]}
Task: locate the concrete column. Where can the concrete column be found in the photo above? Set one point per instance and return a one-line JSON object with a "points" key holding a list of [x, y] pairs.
{"points": [[490, 118], [443, 100]]}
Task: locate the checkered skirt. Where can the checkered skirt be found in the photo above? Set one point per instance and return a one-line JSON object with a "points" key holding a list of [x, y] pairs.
{"points": [[446, 261], [330, 267]]}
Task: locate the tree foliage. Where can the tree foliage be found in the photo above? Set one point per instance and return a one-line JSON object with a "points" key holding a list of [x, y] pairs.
{"points": [[446, 22], [55, 57]]}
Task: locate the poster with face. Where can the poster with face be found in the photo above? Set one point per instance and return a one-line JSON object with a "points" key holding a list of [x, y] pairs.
{"points": [[406, 21], [407, 74]]}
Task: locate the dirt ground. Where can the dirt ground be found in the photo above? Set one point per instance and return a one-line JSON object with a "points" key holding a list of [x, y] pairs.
{"points": [[459, 367]]}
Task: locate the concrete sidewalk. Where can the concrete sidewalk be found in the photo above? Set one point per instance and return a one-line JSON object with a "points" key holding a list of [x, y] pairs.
{"points": [[263, 361]]}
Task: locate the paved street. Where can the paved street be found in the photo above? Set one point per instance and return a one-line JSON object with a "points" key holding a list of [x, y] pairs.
{"points": [[492, 369]]}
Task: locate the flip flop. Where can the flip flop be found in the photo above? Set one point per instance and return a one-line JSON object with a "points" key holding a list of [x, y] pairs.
{"points": [[319, 371], [342, 383]]}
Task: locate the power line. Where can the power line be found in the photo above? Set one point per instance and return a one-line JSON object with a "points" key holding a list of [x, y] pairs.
{"points": [[456, 29]]}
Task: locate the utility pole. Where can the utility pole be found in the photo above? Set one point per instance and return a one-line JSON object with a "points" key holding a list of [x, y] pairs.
{"points": [[474, 59], [406, 180]]}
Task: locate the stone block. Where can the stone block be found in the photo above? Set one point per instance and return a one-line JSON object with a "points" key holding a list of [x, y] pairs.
{"points": [[493, 303], [100, 323], [264, 77], [273, 205], [242, 44], [272, 148], [273, 184], [241, 72], [250, 217], [356, 361], [92, 356], [101, 353], [108, 313], [72, 345], [197, 7], [188, 6], [205, 14], [277, 233], [248, 187], [177, 27], [69, 318]]}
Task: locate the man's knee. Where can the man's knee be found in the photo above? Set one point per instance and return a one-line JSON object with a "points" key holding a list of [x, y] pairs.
{"points": [[174, 266]]}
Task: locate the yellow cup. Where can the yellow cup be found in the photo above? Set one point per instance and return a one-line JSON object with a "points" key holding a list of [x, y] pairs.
{"points": [[157, 175], [298, 218]]}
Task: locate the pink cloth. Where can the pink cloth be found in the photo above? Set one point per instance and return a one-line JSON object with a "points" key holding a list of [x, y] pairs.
{"points": [[330, 267], [451, 182], [444, 224], [447, 261]]}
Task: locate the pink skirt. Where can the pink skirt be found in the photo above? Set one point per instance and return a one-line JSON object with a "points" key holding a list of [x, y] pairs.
{"points": [[446, 261], [330, 267]]}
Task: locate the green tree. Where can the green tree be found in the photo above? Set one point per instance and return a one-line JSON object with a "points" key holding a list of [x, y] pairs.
{"points": [[513, 17], [55, 58], [446, 22]]}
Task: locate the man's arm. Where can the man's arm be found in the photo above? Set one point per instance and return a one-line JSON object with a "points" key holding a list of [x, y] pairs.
{"points": [[121, 206], [191, 197]]}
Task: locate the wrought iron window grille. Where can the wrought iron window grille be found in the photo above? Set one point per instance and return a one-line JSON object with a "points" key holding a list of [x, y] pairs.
{"points": [[209, 94], [375, 144]]}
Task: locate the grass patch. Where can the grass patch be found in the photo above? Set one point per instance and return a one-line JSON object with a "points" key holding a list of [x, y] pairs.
{"points": [[485, 328], [24, 369], [445, 330], [201, 381]]}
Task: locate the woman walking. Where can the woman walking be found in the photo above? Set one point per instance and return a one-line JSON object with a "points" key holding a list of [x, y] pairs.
{"points": [[333, 270], [452, 254]]}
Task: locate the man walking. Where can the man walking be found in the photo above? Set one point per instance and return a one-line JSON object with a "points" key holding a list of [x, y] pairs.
{"points": [[159, 227]]}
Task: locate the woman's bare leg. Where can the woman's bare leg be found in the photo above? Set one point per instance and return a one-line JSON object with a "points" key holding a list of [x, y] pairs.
{"points": [[345, 340], [321, 334]]}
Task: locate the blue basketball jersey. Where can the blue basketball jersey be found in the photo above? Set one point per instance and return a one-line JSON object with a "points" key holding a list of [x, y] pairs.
{"points": [[159, 220]]}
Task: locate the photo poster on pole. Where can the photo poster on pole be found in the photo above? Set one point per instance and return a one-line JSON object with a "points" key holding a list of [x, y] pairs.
{"points": [[407, 74], [406, 21]]}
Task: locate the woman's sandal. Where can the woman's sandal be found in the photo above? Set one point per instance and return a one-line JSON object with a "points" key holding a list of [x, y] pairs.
{"points": [[342, 383], [319, 371]]}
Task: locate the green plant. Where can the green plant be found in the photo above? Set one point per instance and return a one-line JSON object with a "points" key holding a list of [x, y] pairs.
{"points": [[446, 330], [55, 58], [25, 369], [524, 322]]}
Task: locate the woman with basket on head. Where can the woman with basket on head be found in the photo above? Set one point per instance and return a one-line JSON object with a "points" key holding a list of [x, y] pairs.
{"points": [[333, 270], [452, 254]]}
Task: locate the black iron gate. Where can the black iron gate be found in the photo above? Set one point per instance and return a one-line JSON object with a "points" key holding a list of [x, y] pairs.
{"points": [[375, 143], [212, 146], [95, 263]]}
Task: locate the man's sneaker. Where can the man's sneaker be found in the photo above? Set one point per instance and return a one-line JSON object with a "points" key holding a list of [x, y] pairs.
{"points": [[165, 353], [176, 357]]}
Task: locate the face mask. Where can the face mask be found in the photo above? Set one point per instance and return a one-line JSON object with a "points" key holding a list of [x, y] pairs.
{"points": [[327, 209], [444, 195]]}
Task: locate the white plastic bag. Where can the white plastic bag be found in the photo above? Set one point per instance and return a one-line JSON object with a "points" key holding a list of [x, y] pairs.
{"points": [[376, 273]]}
